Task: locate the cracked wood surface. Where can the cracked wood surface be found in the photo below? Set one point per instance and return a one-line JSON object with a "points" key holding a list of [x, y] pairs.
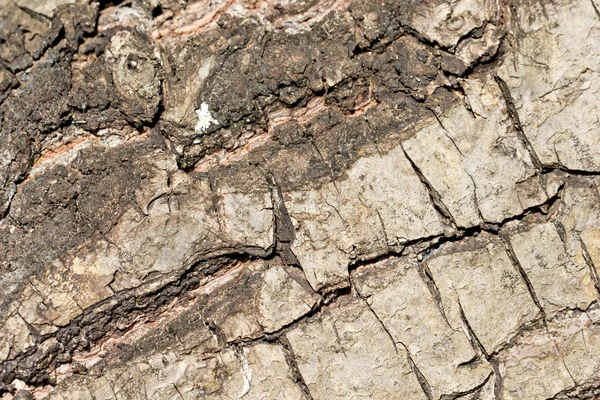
{"points": [[320, 199]]}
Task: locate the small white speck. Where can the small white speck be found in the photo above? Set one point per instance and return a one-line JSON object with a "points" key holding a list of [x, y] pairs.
{"points": [[204, 118]]}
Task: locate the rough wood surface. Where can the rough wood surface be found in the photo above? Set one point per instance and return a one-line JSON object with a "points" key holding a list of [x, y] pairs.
{"points": [[316, 199]]}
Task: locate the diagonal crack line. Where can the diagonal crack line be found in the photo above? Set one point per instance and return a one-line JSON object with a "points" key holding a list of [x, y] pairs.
{"points": [[595, 8], [434, 196], [425, 386], [385, 329], [590, 263], [473, 339], [283, 230], [176, 389], [480, 349], [445, 131], [514, 116], [427, 277], [475, 199], [515, 261], [290, 358]]}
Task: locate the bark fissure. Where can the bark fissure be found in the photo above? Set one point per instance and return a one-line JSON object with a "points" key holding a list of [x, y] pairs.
{"points": [[514, 115], [588, 260], [434, 196], [515, 261], [425, 386], [283, 226], [293, 365], [207, 188]]}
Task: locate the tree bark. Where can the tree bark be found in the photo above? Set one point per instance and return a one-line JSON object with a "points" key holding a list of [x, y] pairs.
{"points": [[319, 199]]}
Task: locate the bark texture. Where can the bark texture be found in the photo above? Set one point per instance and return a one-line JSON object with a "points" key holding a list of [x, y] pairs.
{"points": [[316, 199]]}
